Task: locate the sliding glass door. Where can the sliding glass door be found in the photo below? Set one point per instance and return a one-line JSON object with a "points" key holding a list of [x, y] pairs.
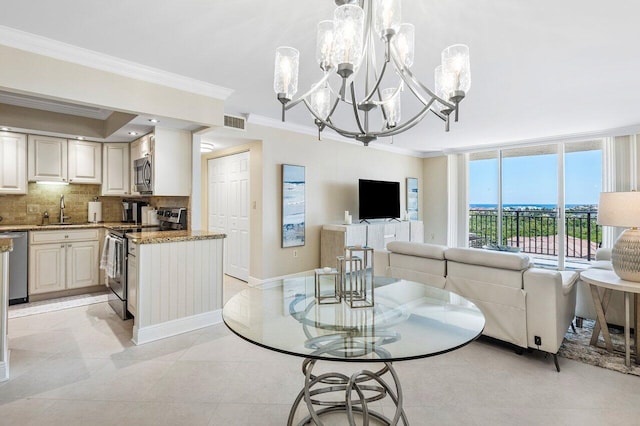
{"points": [[538, 200]]}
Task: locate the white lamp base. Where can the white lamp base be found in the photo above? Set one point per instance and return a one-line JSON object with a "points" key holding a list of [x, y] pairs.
{"points": [[625, 255]]}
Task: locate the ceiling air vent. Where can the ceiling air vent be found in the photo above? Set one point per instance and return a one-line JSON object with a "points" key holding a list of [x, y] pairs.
{"points": [[234, 122]]}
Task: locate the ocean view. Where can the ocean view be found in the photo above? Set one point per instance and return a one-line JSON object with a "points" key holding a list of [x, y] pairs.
{"points": [[592, 207]]}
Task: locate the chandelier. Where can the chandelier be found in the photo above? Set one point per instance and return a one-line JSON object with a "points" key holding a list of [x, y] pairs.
{"points": [[345, 48]]}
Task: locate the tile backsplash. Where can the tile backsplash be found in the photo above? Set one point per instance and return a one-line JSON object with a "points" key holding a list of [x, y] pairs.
{"points": [[14, 209]]}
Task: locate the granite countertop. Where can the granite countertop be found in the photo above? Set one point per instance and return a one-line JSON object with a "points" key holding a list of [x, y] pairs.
{"points": [[156, 237], [6, 243], [10, 228]]}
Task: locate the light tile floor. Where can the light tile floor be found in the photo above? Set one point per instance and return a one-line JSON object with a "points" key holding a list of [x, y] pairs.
{"points": [[78, 367]]}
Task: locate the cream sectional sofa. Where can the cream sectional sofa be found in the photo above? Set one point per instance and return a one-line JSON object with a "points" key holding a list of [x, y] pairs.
{"points": [[523, 305]]}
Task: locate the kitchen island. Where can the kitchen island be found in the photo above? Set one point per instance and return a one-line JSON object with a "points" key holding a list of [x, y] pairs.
{"points": [[175, 282], [6, 245]]}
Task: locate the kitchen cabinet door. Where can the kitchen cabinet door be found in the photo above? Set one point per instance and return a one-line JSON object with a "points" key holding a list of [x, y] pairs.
{"points": [[47, 268], [13, 163], [82, 264], [115, 171], [136, 152], [47, 159], [85, 162]]}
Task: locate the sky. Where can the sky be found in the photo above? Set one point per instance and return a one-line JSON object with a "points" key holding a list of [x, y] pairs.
{"points": [[533, 179]]}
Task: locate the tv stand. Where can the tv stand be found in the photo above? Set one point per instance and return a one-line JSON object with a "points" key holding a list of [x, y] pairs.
{"points": [[334, 238]]}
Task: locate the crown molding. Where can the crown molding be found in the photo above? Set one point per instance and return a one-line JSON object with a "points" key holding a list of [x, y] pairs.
{"points": [[66, 52], [569, 137]]}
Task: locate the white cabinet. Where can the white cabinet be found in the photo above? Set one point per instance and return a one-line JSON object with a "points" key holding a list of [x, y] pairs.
{"points": [[132, 279], [85, 162], [13, 163], [377, 235], [61, 260], [380, 234], [61, 160], [115, 170], [82, 264], [47, 265], [47, 159], [170, 152]]}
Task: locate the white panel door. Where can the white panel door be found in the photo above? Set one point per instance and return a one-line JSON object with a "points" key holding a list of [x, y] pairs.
{"points": [[238, 223], [228, 210]]}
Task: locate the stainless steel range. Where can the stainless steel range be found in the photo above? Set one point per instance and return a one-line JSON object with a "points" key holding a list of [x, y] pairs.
{"points": [[169, 219]]}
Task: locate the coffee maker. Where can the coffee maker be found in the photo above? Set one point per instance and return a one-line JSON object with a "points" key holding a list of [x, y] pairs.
{"points": [[132, 211]]}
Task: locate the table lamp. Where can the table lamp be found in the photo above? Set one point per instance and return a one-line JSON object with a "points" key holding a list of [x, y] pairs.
{"points": [[623, 209]]}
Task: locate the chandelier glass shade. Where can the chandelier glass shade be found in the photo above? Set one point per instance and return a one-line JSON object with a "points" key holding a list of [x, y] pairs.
{"points": [[347, 51]]}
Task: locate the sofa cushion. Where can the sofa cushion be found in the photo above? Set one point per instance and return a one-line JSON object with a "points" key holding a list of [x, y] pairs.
{"points": [[492, 259], [432, 251], [569, 278]]}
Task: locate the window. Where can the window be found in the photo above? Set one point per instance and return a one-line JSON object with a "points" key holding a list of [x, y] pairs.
{"points": [[519, 197]]}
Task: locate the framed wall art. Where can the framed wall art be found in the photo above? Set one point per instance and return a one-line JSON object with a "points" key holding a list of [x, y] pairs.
{"points": [[412, 198], [293, 205]]}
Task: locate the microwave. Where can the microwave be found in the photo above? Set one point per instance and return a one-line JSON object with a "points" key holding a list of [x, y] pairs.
{"points": [[142, 175]]}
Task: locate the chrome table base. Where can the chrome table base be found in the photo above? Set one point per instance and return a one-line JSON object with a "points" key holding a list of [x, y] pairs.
{"points": [[366, 386]]}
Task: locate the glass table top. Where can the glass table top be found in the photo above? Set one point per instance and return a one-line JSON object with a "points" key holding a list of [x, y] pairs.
{"points": [[409, 320]]}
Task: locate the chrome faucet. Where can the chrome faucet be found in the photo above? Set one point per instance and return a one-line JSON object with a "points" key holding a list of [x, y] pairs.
{"points": [[62, 216]]}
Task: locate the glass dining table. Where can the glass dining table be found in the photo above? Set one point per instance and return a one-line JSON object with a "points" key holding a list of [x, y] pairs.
{"points": [[408, 321]]}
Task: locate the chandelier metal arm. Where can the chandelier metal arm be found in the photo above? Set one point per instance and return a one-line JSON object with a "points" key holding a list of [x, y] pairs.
{"points": [[407, 125], [355, 108], [405, 71], [323, 80], [329, 124], [377, 85]]}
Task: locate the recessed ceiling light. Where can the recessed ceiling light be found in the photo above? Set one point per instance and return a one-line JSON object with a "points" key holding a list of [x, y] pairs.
{"points": [[154, 120], [80, 138], [5, 129], [206, 147], [133, 133]]}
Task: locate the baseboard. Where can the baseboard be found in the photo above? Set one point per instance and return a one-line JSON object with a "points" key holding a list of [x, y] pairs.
{"points": [[178, 326], [65, 293]]}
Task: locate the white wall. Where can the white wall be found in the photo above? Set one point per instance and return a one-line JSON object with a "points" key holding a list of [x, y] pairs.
{"points": [[332, 172], [435, 199]]}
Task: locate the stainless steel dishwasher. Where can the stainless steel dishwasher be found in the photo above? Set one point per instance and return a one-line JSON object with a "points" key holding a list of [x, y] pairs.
{"points": [[18, 261]]}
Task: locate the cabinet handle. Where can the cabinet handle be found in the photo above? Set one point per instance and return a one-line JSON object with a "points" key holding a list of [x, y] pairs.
{"points": [[70, 180], [69, 245], [66, 236], [61, 245], [64, 180]]}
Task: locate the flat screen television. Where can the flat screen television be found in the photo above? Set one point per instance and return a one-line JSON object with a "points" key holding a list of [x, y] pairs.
{"points": [[378, 199]]}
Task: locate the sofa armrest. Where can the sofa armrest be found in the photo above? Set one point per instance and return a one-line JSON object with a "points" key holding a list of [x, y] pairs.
{"points": [[551, 304], [603, 254]]}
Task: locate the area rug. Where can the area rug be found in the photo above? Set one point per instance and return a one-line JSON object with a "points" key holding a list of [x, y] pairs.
{"points": [[33, 308], [576, 346]]}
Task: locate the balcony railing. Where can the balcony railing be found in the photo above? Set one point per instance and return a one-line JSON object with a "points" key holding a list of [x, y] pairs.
{"points": [[536, 231]]}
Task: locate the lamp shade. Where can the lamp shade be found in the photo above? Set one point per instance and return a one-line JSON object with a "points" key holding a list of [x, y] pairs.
{"points": [[405, 43], [391, 105], [387, 17], [324, 45], [348, 28], [456, 63], [285, 76], [619, 209]]}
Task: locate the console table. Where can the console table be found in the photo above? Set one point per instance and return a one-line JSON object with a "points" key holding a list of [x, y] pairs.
{"points": [[408, 321], [608, 280]]}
